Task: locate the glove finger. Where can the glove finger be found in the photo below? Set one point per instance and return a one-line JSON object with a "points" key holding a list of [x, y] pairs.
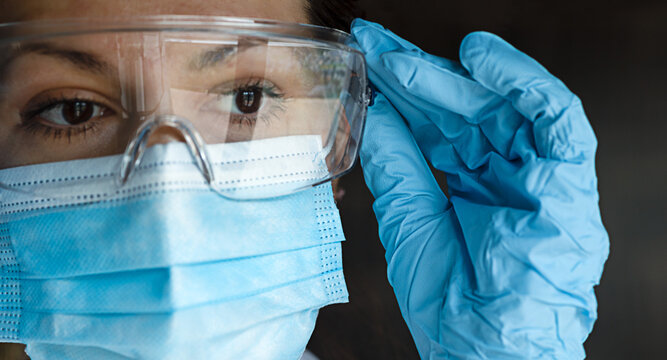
{"points": [[374, 40], [439, 86], [367, 34], [405, 191], [561, 129], [417, 226], [457, 160], [431, 86]]}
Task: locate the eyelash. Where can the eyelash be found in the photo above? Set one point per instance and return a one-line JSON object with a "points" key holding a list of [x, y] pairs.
{"points": [[33, 126], [269, 89]]}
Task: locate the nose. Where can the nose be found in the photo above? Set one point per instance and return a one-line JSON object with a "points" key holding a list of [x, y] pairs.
{"points": [[164, 135], [160, 130]]}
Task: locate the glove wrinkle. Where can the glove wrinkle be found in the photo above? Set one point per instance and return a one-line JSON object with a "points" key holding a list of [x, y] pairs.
{"points": [[508, 270]]}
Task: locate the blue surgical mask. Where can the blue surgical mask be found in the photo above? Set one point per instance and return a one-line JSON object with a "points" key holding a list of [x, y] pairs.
{"points": [[165, 268]]}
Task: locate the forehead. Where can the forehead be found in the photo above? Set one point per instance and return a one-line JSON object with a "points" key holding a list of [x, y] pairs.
{"points": [[24, 10]]}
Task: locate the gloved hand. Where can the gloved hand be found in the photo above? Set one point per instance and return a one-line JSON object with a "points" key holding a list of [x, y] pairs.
{"points": [[504, 268]]}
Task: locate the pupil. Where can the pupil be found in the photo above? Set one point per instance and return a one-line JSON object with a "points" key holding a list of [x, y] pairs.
{"points": [[249, 100], [77, 112]]}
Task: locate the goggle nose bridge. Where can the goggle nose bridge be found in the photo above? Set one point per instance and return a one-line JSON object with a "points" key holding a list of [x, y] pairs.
{"points": [[134, 151]]}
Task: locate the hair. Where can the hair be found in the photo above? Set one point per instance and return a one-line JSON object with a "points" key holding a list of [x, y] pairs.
{"points": [[336, 14]]}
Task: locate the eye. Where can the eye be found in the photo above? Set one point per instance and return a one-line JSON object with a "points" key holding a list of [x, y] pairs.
{"points": [[248, 100], [72, 112], [253, 99], [67, 113]]}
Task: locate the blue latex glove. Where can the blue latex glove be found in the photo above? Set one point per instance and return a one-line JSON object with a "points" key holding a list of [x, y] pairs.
{"points": [[504, 268]]}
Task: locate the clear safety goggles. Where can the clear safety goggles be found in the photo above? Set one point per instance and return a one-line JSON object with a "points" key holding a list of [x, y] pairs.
{"points": [[227, 89]]}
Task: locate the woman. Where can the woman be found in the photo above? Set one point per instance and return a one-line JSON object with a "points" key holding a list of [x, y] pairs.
{"points": [[158, 258]]}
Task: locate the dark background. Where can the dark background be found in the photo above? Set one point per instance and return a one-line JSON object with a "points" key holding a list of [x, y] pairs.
{"points": [[613, 54]]}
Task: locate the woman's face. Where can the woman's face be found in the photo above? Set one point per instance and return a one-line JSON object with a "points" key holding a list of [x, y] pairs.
{"points": [[42, 74]]}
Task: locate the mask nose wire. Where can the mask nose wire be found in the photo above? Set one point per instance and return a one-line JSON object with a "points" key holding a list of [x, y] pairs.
{"points": [[136, 148]]}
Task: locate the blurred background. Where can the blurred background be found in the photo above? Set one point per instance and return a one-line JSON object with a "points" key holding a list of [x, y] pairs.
{"points": [[613, 54]]}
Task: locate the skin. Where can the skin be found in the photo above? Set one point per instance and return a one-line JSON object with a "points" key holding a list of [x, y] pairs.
{"points": [[30, 10], [24, 10]]}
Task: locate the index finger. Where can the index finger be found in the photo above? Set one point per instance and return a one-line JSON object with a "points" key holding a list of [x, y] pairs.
{"points": [[397, 174]]}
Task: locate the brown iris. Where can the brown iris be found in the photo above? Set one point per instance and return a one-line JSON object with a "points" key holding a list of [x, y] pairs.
{"points": [[77, 112], [249, 100]]}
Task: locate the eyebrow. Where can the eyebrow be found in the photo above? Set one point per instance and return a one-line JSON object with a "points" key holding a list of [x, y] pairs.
{"points": [[213, 57], [94, 64], [80, 59], [221, 54]]}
